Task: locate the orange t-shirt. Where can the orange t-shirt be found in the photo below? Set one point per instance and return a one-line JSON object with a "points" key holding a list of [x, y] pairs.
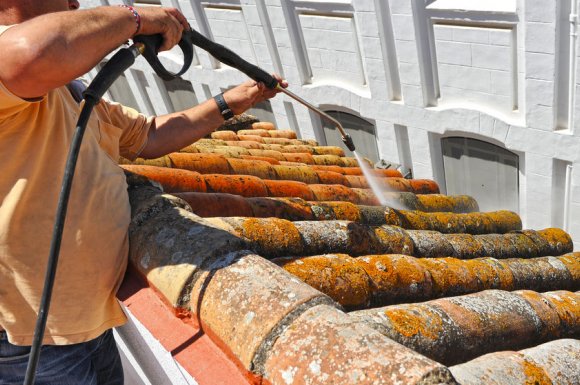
{"points": [[34, 142]]}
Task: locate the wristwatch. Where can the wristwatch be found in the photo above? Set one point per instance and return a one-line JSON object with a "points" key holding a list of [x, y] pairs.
{"points": [[225, 110]]}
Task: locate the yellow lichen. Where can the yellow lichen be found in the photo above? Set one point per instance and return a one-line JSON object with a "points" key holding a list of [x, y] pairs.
{"points": [[535, 374], [339, 276], [273, 236], [415, 320]]}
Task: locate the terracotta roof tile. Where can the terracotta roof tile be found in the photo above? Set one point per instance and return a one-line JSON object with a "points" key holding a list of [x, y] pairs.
{"points": [[556, 362], [266, 194], [452, 330]]}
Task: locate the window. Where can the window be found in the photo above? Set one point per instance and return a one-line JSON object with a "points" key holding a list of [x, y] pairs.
{"points": [[263, 111], [485, 171], [363, 134], [181, 94]]}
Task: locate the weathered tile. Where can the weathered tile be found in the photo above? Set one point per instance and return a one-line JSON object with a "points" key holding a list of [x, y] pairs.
{"points": [[326, 346]]}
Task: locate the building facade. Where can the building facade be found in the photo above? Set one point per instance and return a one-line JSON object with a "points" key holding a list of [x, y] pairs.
{"points": [[480, 96]]}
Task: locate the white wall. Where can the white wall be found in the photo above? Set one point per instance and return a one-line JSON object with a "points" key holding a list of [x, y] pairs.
{"points": [[494, 70]]}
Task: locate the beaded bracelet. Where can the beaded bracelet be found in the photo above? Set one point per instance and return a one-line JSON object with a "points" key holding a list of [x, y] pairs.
{"points": [[135, 15]]}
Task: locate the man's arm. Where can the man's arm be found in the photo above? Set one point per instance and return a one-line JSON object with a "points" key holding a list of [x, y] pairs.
{"points": [[175, 131], [50, 50]]}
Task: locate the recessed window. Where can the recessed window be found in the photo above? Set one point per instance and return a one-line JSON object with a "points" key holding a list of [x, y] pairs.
{"points": [[363, 134], [482, 170], [263, 111], [181, 94]]}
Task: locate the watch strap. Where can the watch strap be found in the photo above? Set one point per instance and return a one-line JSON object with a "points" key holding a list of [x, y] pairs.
{"points": [[225, 110]]}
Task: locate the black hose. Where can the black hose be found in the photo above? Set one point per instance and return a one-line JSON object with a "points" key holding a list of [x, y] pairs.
{"points": [[122, 60], [56, 240]]}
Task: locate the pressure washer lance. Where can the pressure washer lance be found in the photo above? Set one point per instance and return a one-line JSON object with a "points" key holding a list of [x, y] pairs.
{"points": [[225, 55]]}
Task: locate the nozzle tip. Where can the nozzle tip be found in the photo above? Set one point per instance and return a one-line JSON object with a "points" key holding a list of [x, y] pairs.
{"points": [[347, 139]]}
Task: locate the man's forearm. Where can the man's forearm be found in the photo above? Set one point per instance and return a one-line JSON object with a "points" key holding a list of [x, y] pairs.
{"points": [[175, 131], [50, 50]]}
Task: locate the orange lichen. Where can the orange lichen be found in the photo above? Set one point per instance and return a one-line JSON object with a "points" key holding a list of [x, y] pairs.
{"points": [[272, 236], [258, 168], [300, 157], [333, 192], [567, 305], [202, 163], [544, 311], [268, 153], [535, 374], [505, 221], [387, 173], [172, 180], [412, 321], [560, 240], [414, 220], [328, 150], [338, 276], [465, 246], [450, 276], [327, 160], [391, 216], [297, 173], [349, 162], [288, 188], [330, 177], [298, 149], [424, 186], [396, 278], [244, 185], [435, 202], [394, 240], [343, 210], [572, 263]]}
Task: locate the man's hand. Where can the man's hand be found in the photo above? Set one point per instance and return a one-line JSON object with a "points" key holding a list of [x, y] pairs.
{"points": [[249, 93], [168, 22], [50, 50]]}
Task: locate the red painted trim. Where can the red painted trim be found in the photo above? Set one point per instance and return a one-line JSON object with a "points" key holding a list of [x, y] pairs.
{"points": [[188, 344]]}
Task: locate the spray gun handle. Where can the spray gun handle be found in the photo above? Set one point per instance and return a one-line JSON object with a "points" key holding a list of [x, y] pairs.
{"points": [[152, 44], [190, 38]]}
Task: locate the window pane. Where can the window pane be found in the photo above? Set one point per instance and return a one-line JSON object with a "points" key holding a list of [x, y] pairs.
{"points": [[485, 171], [362, 133], [181, 94]]}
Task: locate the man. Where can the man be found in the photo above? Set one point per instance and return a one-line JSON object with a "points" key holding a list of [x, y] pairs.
{"points": [[47, 46]]}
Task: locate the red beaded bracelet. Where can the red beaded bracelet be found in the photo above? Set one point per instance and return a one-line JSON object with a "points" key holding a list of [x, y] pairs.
{"points": [[135, 15]]}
